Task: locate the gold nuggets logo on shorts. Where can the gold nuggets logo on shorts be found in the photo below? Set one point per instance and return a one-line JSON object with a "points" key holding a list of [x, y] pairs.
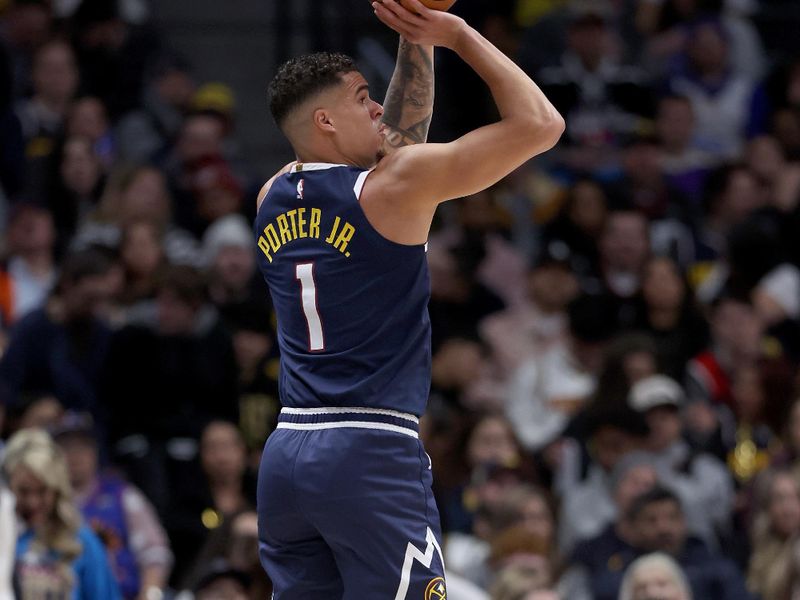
{"points": [[436, 590]]}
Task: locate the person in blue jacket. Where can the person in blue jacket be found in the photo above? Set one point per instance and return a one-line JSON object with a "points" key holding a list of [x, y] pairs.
{"points": [[57, 555]]}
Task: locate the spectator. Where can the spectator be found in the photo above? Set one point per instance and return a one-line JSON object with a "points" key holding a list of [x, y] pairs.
{"points": [[520, 582], [88, 118], [135, 194], [629, 358], [685, 165], [77, 185], [775, 296], [667, 312], [464, 373], [659, 525], [574, 234], [27, 27], [112, 53], [702, 482], [769, 162], [481, 232], [35, 411], [215, 192], [8, 540], [156, 420], [624, 250], [643, 185], [655, 576], [587, 505], [200, 138], [236, 542], [222, 581], [57, 555], [668, 24], [141, 253], [119, 514], [489, 446], [595, 563], [458, 299], [705, 77], [61, 348], [30, 270], [55, 81], [759, 393], [774, 532], [521, 508], [736, 333], [732, 194], [224, 488], [546, 391], [601, 99], [145, 132], [530, 329], [250, 325], [228, 250]]}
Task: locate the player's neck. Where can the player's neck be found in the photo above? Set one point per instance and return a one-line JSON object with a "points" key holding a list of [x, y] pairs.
{"points": [[326, 151], [333, 158]]}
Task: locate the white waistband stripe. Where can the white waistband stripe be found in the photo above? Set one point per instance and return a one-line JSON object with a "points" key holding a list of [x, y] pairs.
{"points": [[341, 410], [348, 425]]}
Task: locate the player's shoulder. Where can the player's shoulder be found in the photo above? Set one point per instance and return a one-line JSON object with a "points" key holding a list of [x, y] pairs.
{"points": [[262, 194], [407, 171]]}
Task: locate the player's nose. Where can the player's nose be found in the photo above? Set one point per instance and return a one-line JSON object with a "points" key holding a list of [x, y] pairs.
{"points": [[377, 110]]}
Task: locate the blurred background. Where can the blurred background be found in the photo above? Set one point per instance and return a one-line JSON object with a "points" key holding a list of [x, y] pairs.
{"points": [[615, 407]]}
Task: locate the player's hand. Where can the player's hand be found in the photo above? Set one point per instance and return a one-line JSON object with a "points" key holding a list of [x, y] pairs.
{"points": [[424, 26]]}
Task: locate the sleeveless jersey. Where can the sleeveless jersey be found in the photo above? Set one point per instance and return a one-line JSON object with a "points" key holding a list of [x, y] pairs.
{"points": [[352, 306]]}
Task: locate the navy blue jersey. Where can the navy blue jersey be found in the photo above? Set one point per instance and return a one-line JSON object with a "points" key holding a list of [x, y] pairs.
{"points": [[353, 326]]}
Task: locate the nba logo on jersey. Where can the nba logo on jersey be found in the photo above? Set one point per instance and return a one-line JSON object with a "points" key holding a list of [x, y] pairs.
{"points": [[300, 189]]}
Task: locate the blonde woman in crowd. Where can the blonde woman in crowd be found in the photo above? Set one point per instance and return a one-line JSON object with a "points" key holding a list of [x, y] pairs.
{"points": [[655, 577], [7, 541], [57, 556], [775, 533]]}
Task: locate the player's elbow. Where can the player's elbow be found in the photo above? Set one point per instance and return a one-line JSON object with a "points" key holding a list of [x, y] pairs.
{"points": [[545, 131], [558, 126]]}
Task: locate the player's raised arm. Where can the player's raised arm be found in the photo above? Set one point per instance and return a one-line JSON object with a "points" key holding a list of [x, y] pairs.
{"points": [[408, 107], [427, 174]]}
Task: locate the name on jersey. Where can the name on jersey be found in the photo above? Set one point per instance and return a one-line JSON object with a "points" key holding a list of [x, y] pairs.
{"points": [[300, 223]]}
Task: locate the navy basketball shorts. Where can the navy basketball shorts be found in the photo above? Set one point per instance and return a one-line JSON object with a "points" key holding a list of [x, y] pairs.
{"points": [[345, 508]]}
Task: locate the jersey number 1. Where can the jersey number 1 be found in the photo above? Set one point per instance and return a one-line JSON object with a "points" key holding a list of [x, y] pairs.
{"points": [[308, 291]]}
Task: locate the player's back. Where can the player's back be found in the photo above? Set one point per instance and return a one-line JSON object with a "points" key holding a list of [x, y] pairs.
{"points": [[353, 324]]}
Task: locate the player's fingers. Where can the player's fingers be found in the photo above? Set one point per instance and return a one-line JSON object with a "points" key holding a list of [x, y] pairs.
{"points": [[419, 9], [403, 13], [388, 18]]}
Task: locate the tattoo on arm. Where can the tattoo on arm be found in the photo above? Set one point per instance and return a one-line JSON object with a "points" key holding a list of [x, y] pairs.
{"points": [[408, 107]]}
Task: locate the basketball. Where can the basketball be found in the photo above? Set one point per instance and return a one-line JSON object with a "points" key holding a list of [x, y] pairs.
{"points": [[434, 4]]}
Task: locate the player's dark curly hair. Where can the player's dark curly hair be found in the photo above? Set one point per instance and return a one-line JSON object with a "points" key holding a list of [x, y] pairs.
{"points": [[300, 78]]}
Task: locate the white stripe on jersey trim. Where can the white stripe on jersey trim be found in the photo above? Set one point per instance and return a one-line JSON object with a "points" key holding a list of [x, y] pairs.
{"points": [[348, 425], [300, 167], [343, 410], [362, 177]]}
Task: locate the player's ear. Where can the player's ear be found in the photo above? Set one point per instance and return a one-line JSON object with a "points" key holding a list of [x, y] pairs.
{"points": [[323, 120]]}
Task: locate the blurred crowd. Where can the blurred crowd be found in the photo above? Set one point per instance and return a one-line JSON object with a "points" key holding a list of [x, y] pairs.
{"points": [[615, 405]]}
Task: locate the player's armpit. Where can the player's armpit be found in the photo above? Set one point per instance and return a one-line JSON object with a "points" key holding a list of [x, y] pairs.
{"points": [[408, 106], [266, 187]]}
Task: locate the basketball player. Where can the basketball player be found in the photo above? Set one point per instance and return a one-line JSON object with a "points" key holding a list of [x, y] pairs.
{"points": [[344, 493]]}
